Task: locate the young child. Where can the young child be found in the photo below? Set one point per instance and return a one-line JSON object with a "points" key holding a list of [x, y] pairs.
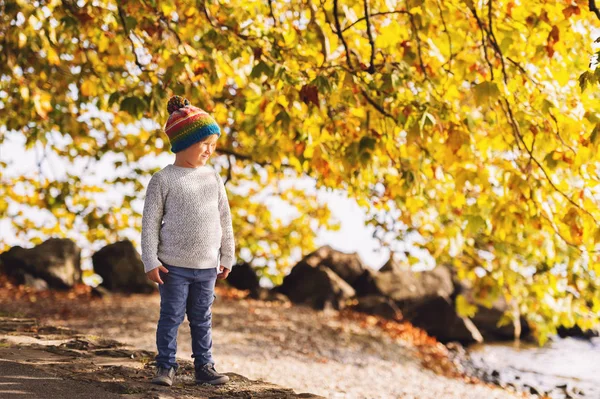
{"points": [[186, 236]]}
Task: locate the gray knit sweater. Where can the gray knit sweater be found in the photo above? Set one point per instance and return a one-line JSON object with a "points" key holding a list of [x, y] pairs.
{"points": [[186, 220]]}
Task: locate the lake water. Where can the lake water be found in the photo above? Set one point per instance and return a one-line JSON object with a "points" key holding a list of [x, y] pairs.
{"points": [[570, 361]]}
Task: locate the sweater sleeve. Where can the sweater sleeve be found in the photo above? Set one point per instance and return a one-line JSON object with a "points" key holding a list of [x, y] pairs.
{"points": [[227, 239], [151, 223]]}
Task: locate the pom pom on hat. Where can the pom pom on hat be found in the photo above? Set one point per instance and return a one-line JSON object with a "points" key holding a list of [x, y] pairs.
{"points": [[175, 103]]}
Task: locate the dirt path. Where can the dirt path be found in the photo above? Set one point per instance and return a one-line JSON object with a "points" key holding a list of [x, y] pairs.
{"points": [[46, 362], [291, 346]]}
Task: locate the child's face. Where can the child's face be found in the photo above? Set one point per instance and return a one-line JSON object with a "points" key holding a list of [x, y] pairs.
{"points": [[198, 154]]}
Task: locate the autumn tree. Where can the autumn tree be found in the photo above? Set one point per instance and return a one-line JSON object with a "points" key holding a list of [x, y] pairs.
{"points": [[463, 121]]}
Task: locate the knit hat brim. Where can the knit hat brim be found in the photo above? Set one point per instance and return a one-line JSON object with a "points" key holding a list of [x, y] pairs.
{"points": [[194, 136]]}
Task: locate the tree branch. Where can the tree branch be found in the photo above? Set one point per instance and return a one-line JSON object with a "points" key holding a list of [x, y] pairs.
{"points": [[494, 41], [373, 15], [338, 32], [518, 134], [594, 8], [559, 234], [483, 30], [229, 167], [418, 39], [216, 25], [271, 12], [558, 133], [247, 158], [376, 106], [449, 38], [164, 20], [128, 34], [370, 36], [515, 63]]}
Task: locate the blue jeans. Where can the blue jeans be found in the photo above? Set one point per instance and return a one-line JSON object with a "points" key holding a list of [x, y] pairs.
{"points": [[184, 291]]}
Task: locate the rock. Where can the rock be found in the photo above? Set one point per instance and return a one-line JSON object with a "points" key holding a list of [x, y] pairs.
{"points": [[100, 292], [35, 283], [423, 299], [406, 285], [243, 277], [393, 265], [366, 285], [533, 390], [378, 306], [576, 332], [348, 266], [438, 317], [265, 294], [121, 269], [317, 286], [57, 261], [486, 319]]}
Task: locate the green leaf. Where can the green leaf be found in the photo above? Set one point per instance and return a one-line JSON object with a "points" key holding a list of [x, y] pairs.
{"points": [[130, 22], [486, 91], [583, 80], [475, 224], [135, 106], [595, 136], [114, 98], [284, 118], [322, 84], [366, 143], [550, 161], [261, 69]]}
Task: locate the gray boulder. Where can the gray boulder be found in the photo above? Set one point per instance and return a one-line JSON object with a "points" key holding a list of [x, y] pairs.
{"points": [[316, 286], [423, 298], [439, 318], [393, 265], [348, 266], [378, 306], [121, 269], [406, 285], [487, 318], [269, 295], [37, 284], [57, 261], [244, 277]]}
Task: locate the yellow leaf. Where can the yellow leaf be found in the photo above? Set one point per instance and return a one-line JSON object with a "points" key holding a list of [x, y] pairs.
{"points": [[308, 151], [53, 56], [103, 43], [22, 40], [24, 93], [88, 88], [464, 308], [42, 104]]}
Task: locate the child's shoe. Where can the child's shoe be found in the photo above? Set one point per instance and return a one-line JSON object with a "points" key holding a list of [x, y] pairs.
{"points": [[206, 374], [164, 376]]}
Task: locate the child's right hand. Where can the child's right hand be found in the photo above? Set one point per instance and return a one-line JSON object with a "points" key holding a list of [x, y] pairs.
{"points": [[154, 274]]}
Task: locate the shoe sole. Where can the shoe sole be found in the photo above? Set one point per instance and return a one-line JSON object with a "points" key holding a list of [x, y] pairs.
{"points": [[162, 382], [218, 381]]}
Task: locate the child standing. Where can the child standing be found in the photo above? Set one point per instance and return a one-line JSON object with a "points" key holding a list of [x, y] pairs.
{"points": [[187, 240]]}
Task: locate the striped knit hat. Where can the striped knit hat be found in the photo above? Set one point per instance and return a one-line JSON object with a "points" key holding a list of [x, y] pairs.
{"points": [[188, 124]]}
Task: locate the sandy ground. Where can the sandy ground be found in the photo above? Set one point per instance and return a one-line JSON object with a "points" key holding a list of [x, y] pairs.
{"points": [[46, 362], [291, 346]]}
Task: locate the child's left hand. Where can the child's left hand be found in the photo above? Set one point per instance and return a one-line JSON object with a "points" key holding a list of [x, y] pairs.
{"points": [[224, 272]]}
